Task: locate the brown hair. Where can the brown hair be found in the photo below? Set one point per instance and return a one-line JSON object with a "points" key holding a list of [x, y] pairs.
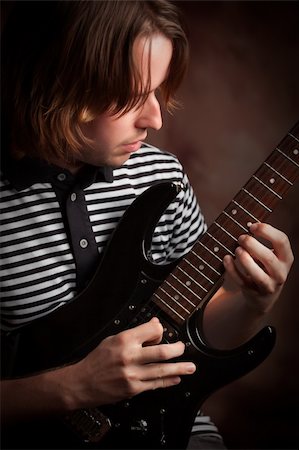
{"points": [[62, 59]]}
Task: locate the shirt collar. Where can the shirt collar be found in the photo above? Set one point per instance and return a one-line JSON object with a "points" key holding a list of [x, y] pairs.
{"points": [[28, 171]]}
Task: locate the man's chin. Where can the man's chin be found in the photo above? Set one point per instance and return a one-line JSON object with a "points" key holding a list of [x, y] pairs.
{"points": [[116, 163]]}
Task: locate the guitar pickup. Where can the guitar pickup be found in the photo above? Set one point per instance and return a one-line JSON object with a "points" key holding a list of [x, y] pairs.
{"points": [[170, 334], [146, 313]]}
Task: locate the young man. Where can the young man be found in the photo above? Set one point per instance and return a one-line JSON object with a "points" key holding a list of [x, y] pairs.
{"points": [[83, 82]]}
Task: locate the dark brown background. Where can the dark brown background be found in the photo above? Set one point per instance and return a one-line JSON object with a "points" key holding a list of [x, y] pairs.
{"points": [[241, 97]]}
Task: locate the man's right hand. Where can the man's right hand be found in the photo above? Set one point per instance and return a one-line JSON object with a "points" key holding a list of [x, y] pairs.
{"points": [[125, 365]]}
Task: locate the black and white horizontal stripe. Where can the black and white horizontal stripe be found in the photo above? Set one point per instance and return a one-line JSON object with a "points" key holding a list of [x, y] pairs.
{"points": [[38, 272], [204, 425], [38, 269], [205, 434], [179, 226]]}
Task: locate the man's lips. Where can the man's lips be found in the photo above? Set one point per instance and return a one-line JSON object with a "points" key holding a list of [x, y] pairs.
{"points": [[142, 138], [135, 145], [132, 147]]}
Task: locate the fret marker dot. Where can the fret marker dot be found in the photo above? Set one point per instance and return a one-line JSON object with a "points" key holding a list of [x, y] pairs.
{"points": [[296, 151], [216, 249], [201, 267], [177, 297], [272, 180], [234, 212], [249, 224], [188, 283]]}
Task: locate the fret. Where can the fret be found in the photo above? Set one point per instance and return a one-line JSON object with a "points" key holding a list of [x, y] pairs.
{"points": [[176, 292], [251, 206], [236, 222], [229, 238], [286, 156], [277, 173], [296, 151], [193, 280], [226, 231], [256, 199], [267, 187], [205, 263], [175, 300], [167, 309], [246, 211], [240, 218], [215, 249], [193, 268], [283, 166], [201, 271], [185, 288], [188, 285], [267, 198], [209, 259], [220, 243], [289, 145], [210, 251]]}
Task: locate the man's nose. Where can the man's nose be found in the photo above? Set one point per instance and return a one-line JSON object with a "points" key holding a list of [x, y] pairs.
{"points": [[150, 115]]}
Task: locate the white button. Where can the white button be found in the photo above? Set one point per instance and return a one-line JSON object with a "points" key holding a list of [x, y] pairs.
{"points": [[61, 176], [73, 196], [83, 243]]}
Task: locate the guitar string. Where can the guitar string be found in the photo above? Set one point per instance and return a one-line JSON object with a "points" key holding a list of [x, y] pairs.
{"points": [[278, 173], [294, 137], [267, 174], [210, 251], [245, 210], [256, 199], [290, 159], [168, 306], [178, 292], [174, 300], [185, 286], [175, 288], [220, 243], [236, 222], [189, 277], [267, 187], [198, 270]]}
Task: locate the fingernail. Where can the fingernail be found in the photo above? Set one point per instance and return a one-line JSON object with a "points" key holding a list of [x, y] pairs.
{"points": [[176, 380], [191, 368], [155, 319], [253, 227], [238, 250], [226, 260]]}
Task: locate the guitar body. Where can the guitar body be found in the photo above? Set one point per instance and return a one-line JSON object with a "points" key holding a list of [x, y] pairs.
{"points": [[128, 289], [121, 295]]}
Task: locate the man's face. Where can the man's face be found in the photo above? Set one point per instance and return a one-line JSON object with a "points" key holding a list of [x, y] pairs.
{"points": [[114, 137]]}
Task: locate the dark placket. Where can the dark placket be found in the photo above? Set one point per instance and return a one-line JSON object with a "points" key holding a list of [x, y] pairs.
{"points": [[78, 227], [69, 191]]}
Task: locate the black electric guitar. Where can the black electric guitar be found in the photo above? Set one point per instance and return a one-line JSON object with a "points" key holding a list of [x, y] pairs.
{"points": [[128, 289]]}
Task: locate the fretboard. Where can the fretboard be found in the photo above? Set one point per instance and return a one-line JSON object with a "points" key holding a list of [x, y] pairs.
{"points": [[185, 289]]}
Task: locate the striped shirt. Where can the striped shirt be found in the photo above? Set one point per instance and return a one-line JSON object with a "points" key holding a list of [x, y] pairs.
{"points": [[54, 229], [44, 251]]}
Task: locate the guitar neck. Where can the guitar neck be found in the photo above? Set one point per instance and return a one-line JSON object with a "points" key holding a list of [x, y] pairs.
{"points": [[196, 276]]}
